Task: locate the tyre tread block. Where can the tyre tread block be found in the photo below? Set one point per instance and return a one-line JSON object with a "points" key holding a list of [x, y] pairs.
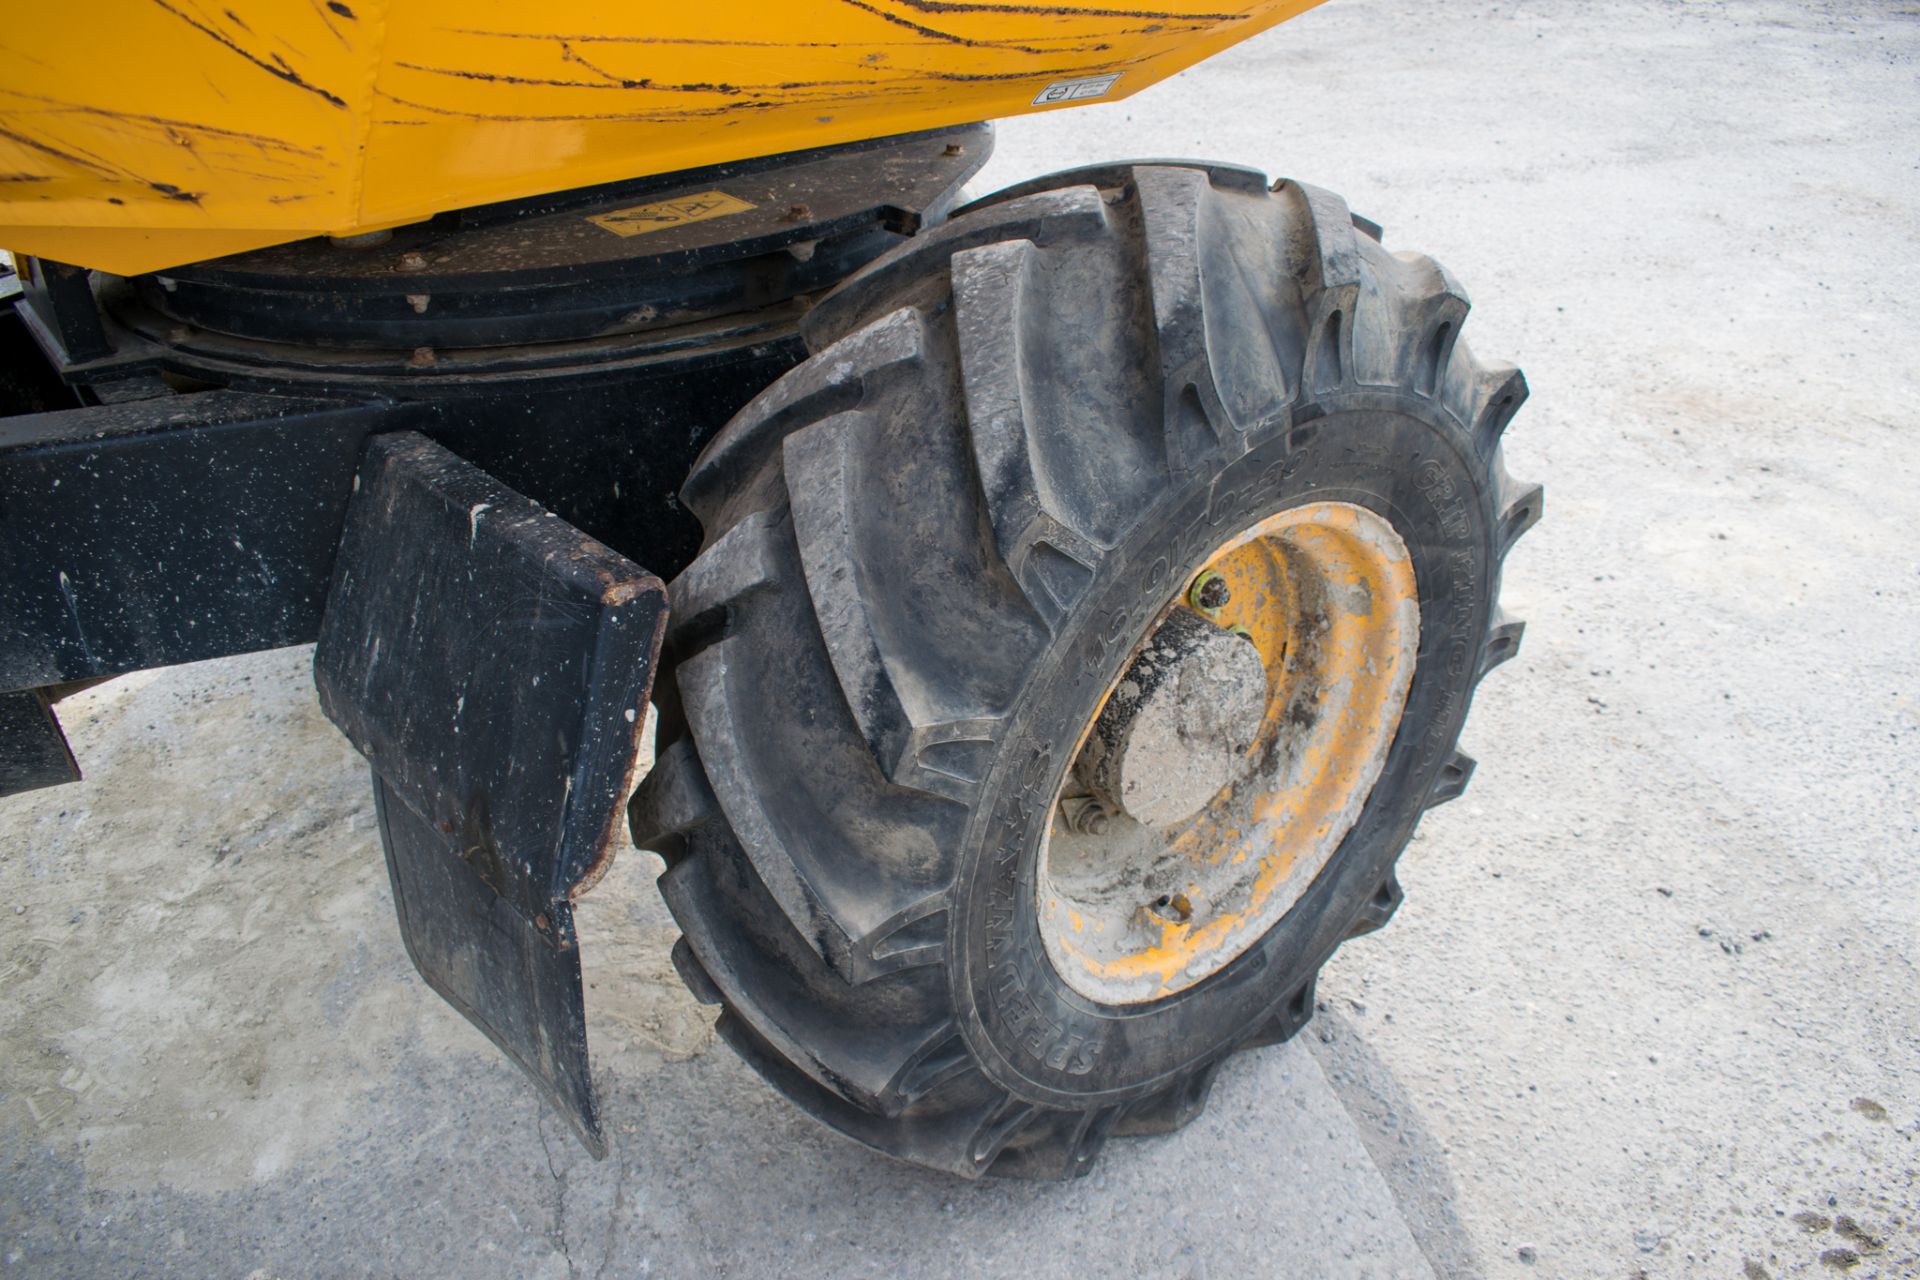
{"points": [[920, 723], [1171, 1109], [1286, 1021], [996, 299], [790, 1003], [1044, 217]]}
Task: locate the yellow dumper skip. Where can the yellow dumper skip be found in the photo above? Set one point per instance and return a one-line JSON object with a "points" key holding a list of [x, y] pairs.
{"points": [[160, 132]]}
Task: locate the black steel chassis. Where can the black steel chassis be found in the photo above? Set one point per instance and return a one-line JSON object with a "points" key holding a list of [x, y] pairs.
{"points": [[444, 454]]}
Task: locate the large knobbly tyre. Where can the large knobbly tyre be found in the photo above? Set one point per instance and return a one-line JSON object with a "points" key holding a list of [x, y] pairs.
{"points": [[932, 551]]}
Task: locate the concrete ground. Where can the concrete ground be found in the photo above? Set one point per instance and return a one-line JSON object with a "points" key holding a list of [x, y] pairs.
{"points": [[1650, 1007]]}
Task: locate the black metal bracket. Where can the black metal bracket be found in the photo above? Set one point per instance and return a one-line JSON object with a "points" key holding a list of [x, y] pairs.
{"points": [[59, 304], [493, 663]]}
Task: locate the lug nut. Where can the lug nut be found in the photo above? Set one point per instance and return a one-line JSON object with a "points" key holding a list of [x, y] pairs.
{"points": [[1085, 815], [1211, 592]]}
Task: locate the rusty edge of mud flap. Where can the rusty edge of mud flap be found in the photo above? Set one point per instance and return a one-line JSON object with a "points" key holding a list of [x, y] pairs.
{"points": [[493, 664]]}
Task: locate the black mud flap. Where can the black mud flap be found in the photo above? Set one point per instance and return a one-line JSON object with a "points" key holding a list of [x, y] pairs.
{"points": [[493, 664]]}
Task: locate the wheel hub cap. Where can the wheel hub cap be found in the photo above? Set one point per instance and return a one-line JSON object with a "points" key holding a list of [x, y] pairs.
{"points": [[1178, 725]]}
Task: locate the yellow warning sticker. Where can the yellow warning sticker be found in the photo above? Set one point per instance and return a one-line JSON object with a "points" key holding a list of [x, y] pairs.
{"points": [[677, 212]]}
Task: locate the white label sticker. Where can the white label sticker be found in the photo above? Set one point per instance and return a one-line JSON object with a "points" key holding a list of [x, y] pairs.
{"points": [[1075, 90]]}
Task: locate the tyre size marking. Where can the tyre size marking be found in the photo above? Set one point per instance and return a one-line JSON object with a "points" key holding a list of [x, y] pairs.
{"points": [[676, 212], [1449, 508], [1076, 90]]}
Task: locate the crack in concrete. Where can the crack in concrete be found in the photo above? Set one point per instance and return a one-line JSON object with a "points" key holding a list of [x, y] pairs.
{"points": [[559, 1233], [614, 1219]]}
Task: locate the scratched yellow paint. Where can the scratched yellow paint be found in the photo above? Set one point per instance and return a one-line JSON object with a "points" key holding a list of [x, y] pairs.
{"points": [[158, 132]]}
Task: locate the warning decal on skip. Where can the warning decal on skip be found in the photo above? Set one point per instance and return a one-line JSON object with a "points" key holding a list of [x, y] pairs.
{"points": [[677, 212]]}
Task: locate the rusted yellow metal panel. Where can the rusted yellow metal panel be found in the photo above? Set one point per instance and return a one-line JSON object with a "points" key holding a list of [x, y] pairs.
{"points": [[156, 132]]}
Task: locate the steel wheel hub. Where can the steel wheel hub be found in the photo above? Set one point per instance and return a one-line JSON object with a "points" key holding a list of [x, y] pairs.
{"points": [[1233, 755]]}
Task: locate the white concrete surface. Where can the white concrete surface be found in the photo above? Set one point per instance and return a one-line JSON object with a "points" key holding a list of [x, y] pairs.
{"points": [[1649, 1008]]}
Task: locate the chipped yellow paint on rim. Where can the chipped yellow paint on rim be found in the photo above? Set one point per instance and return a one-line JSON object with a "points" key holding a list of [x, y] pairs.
{"points": [[1326, 593]]}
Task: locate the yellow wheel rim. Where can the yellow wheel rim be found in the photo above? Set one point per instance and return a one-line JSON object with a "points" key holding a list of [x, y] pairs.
{"points": [[1145, 890]]}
